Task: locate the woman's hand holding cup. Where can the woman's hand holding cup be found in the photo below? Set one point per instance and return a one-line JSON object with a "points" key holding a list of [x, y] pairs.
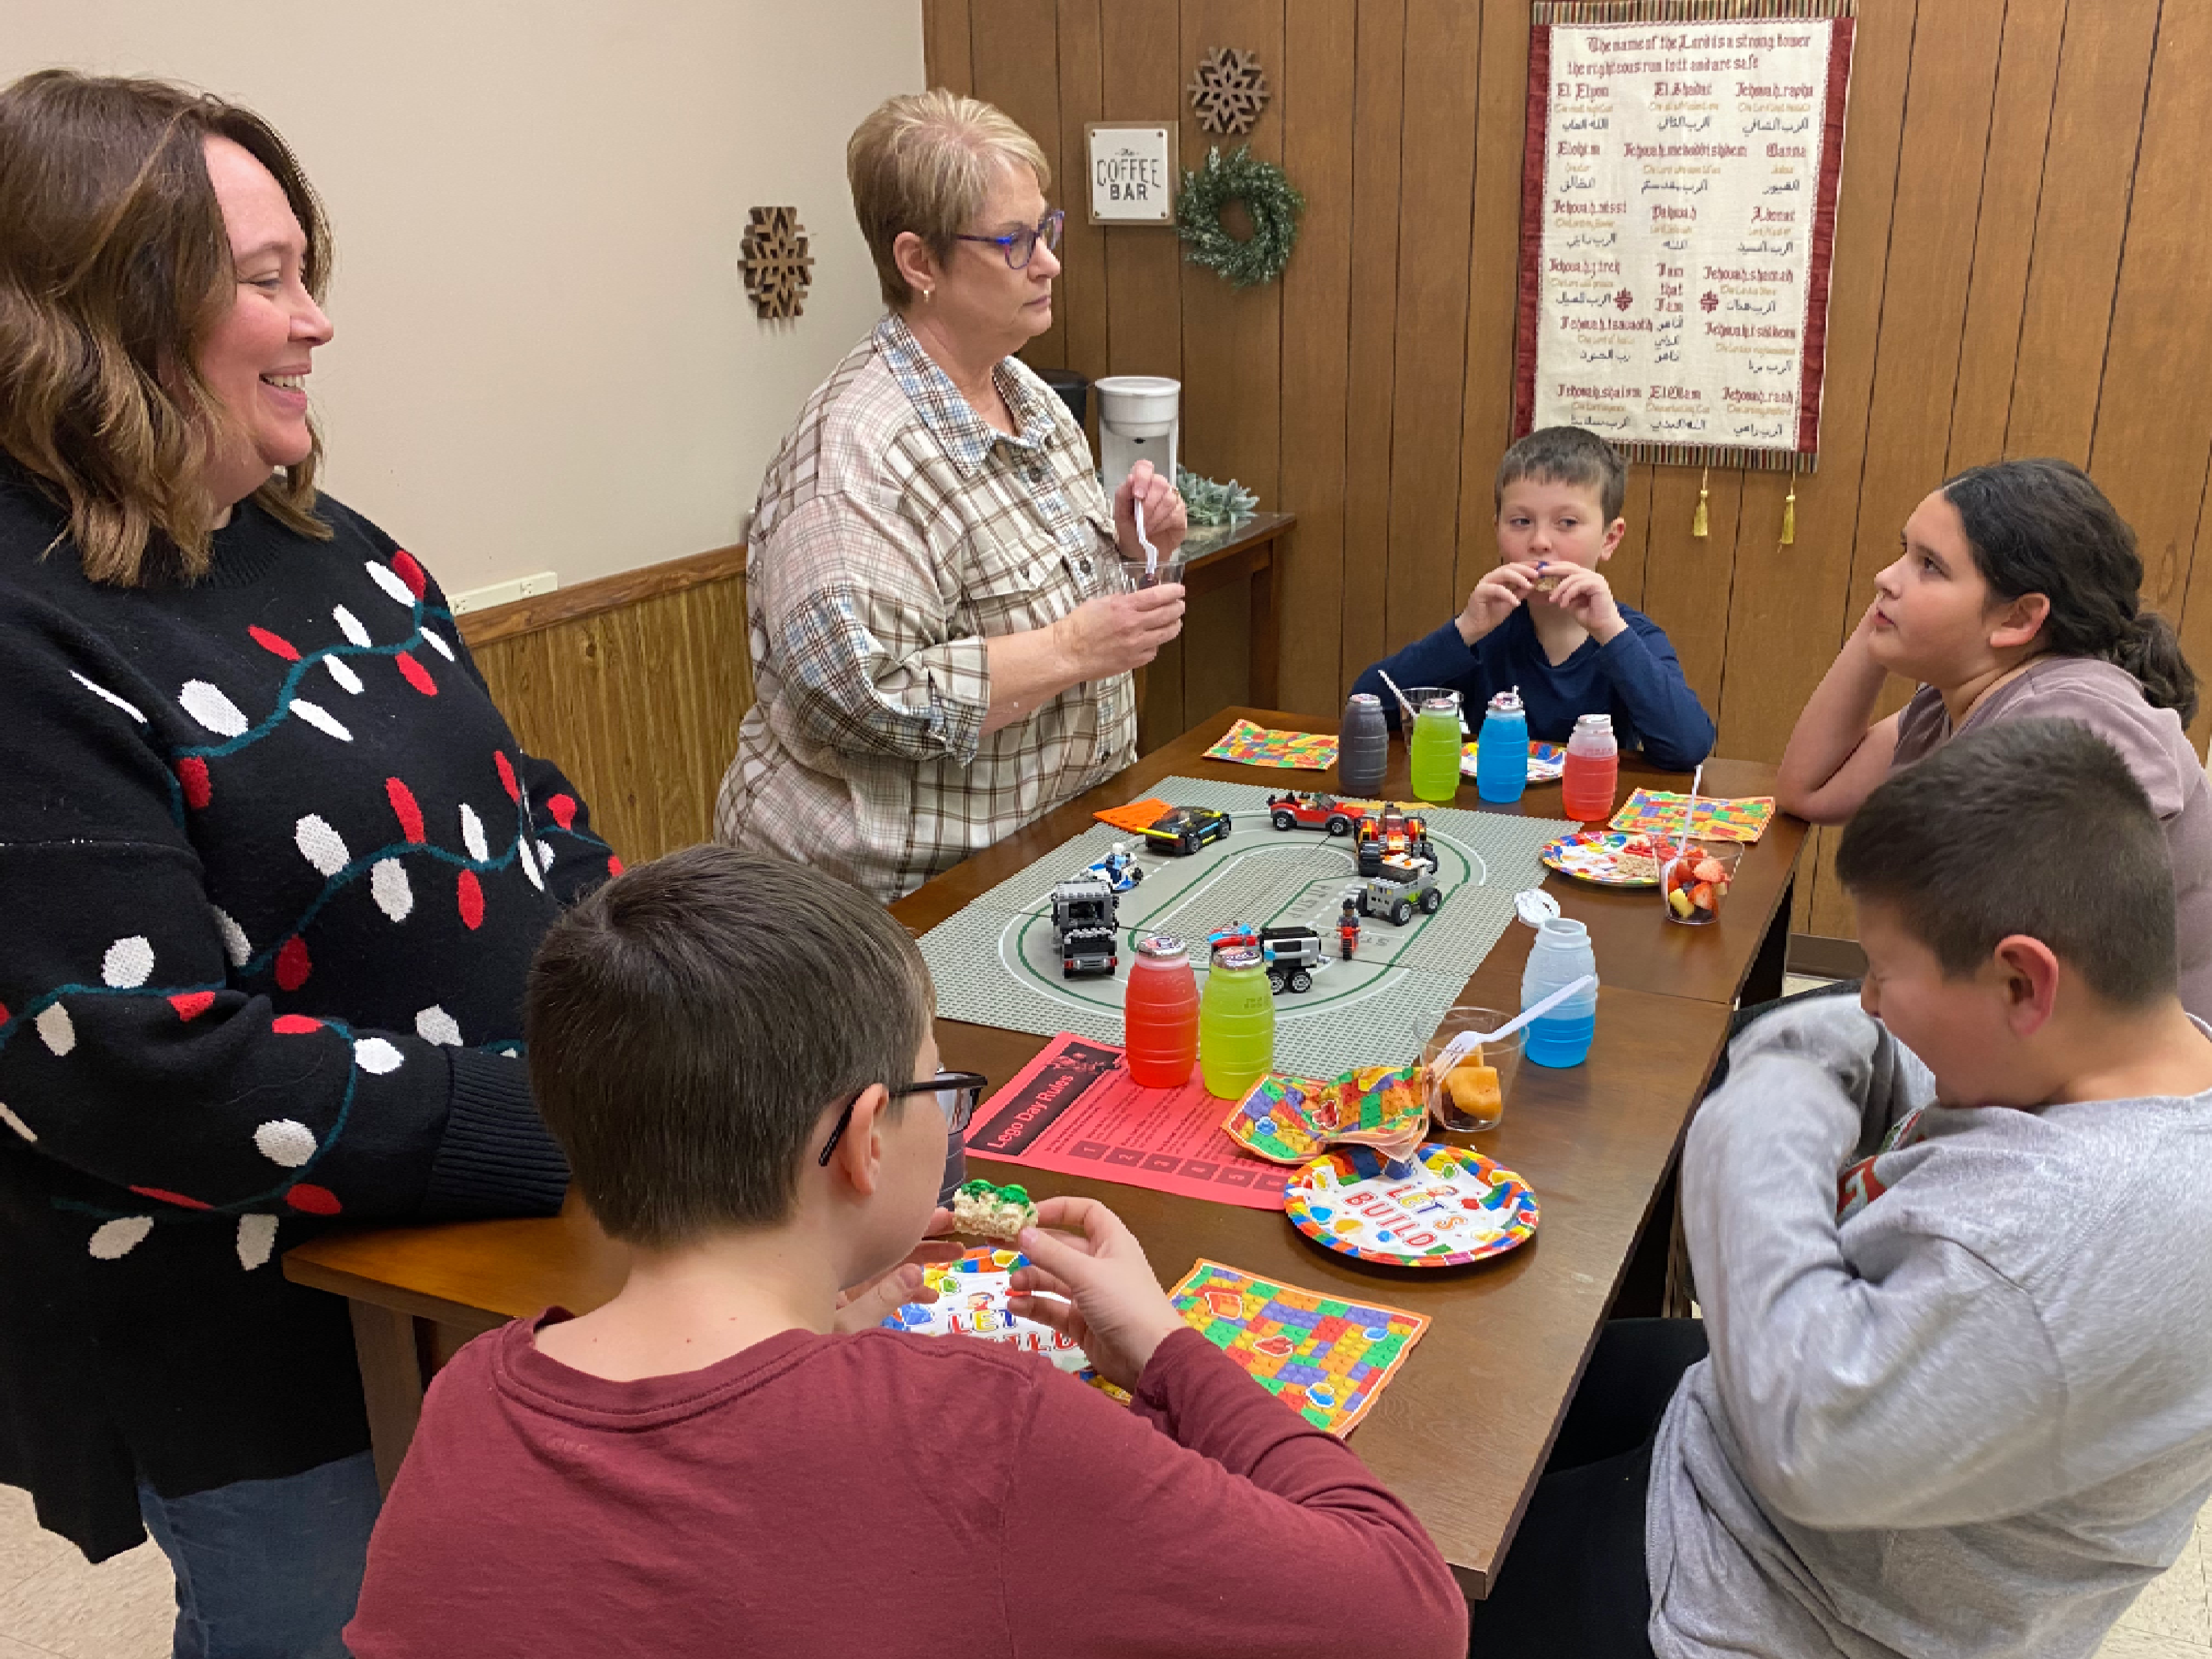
{"points": [[1117, 632]]}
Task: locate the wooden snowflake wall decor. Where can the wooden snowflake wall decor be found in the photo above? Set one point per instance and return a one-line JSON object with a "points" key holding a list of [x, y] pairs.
{"points": [[778, 267], [1229, 91]]}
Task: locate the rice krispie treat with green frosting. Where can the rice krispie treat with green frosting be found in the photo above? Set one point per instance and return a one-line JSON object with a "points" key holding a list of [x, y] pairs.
{"points": [[981, 1210]]}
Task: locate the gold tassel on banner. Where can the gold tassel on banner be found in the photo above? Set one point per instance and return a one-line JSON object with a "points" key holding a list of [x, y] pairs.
{"points": [[1699, 524], [1790, 510]]}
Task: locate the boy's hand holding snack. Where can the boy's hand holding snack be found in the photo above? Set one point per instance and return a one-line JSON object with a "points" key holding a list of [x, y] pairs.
{"points": [[1585, 596], [864, 1306], [1098, 1289], [1495, 597]]}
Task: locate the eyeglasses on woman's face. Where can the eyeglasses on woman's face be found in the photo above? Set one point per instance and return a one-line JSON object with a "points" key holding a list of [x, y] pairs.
{"points": [[1020, 246], [956, 1094]]}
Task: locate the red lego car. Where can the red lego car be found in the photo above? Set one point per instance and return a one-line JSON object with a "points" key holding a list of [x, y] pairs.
{"points": [[1303, 809], [1393, 833]]}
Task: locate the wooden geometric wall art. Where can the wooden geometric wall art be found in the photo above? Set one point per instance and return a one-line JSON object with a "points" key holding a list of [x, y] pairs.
{"points": [[778, 268], [1229, 91]]}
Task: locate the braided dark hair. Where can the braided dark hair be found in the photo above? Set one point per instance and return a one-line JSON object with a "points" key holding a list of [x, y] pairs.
{"points": [[2040, 525]]}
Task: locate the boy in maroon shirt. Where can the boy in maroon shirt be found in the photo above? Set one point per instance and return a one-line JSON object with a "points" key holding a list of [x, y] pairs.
{"points": [[729, 1457]]}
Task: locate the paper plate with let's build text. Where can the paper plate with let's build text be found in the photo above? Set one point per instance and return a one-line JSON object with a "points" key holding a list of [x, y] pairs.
{"points": [[1455, 1207], [1607, 857]]}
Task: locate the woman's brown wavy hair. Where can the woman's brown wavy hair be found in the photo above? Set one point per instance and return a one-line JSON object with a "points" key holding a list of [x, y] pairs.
{"points": [[114, 267]]}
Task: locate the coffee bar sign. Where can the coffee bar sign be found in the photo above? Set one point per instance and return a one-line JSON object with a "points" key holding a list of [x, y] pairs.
{"points": [[1133, 172]]}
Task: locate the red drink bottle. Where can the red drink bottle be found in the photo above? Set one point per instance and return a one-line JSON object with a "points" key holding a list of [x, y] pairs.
{"points": [[1592, 777], [1160, 1015]]}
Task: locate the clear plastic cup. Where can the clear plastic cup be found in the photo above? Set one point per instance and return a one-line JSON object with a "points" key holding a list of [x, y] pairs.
{"points": [[1419, 696], [1503, 1057], [1695, 878], [1134, 577]]}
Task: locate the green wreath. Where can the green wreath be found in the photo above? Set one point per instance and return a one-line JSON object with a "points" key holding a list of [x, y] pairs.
{"points": [[1268, 195]]}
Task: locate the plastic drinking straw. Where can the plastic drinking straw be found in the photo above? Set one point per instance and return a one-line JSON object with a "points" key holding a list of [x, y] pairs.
{"points": [[1689, 822], [1412, 713]]}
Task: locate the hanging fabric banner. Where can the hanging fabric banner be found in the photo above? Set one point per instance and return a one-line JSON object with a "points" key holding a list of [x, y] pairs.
{"points": [[1678, 220]]}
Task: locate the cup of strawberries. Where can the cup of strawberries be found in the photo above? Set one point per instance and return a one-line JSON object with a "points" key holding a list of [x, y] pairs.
{"points": [[1694, 877]]}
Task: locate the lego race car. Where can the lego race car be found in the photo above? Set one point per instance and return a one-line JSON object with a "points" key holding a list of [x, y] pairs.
{"points": [[1293, 955], [1182, 830], [1302, 809], [1396, 887], [1393, 833], [1119, 869]]}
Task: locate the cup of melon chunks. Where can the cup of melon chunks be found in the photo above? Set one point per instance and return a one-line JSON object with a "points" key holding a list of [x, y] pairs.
{"points": [[1471, 1096], [1695, 878]]}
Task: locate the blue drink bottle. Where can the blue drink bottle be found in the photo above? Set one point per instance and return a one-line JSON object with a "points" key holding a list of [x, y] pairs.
{"points": [[1501, 751], [1561, 956]]}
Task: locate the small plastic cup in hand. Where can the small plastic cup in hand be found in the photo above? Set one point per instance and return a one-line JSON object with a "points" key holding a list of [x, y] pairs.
{"points": [[1694, 877], [1136, 577], [1471, 1097]]}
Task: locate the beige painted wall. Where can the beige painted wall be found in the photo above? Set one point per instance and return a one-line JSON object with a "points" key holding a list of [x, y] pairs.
{"points": [[544, 356]]}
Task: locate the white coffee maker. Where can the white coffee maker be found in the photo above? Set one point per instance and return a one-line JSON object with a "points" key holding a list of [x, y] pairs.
{"points": [[1138, 416]]}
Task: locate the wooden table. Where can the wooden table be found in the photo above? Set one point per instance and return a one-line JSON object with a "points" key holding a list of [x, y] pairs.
{"points": [[1249, 549], [1463, 1432]]}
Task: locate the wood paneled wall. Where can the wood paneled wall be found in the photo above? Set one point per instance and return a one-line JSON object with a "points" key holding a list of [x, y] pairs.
{"points": [[634, 686], [2023, 266]]}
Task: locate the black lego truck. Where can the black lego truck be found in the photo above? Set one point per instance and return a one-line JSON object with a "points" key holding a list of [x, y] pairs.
{"points": [[1084, 915]]}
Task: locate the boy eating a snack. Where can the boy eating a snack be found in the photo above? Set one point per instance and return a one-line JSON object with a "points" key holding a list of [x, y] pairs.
{"points": [[1955, 1257], [1545, 621], [730, 1457]]}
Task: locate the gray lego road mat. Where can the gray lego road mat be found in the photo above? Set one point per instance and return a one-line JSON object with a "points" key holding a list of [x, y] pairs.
{"points": [[998, 961]]}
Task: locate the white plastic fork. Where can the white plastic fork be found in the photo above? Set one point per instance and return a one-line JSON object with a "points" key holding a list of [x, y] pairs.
{"points": [[1151, 553], [1459, 1046]]}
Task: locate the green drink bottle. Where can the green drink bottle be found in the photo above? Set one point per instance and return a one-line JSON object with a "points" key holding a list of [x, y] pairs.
{"points": [[1434, 748], [1236, 1023]]}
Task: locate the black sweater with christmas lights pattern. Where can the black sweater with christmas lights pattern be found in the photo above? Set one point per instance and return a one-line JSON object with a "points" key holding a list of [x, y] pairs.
{"points": [[272, 868]]}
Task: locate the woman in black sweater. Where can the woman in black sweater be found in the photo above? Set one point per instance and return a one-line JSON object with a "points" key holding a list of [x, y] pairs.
{"points": [[272, 868]]}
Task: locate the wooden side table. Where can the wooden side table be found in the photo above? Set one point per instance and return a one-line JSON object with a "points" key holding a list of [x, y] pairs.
{"points": [[1249, 549]]}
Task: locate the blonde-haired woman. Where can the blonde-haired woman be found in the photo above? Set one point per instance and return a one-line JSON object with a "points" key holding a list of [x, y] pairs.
{"points": [[273, 868], [941, 644]]}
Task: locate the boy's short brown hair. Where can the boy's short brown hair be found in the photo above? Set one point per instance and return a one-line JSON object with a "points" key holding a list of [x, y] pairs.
{"points": [[690, 1021], [1567, 455], [2033, 827]]}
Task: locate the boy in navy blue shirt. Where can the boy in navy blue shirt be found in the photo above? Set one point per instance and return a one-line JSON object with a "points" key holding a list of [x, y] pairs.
{"points": [[1545, 621]]}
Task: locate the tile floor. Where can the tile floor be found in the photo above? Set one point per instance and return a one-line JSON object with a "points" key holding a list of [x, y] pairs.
{"points": [[52, 1603]]}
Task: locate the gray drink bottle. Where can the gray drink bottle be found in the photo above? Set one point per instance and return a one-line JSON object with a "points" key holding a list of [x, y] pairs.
{"points": [[1362, 746]]}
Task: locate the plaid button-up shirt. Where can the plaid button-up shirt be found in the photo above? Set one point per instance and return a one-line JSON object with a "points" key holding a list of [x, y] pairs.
{"points": [[895, 531]]}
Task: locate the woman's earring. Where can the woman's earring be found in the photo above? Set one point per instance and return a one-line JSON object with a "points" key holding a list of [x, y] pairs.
{"points": [[929, 294]]}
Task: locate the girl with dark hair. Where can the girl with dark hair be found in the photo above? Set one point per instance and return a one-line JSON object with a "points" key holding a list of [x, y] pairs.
{"points": [[272, 865], [2016, 597]]}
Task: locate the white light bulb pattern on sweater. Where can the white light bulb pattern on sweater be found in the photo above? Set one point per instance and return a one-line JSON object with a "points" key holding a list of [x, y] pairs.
{"points": [[128, 963], [127, 968]]}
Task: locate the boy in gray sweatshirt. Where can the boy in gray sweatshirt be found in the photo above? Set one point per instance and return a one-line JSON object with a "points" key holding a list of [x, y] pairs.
{"points": [[1955, 1257]]}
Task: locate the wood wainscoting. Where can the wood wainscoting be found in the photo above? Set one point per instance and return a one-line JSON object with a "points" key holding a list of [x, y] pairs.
{"points": [[2023, 267], [634, 685]]}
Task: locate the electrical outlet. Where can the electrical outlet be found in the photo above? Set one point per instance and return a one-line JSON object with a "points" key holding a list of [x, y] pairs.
{"points": [[506, 592]]}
